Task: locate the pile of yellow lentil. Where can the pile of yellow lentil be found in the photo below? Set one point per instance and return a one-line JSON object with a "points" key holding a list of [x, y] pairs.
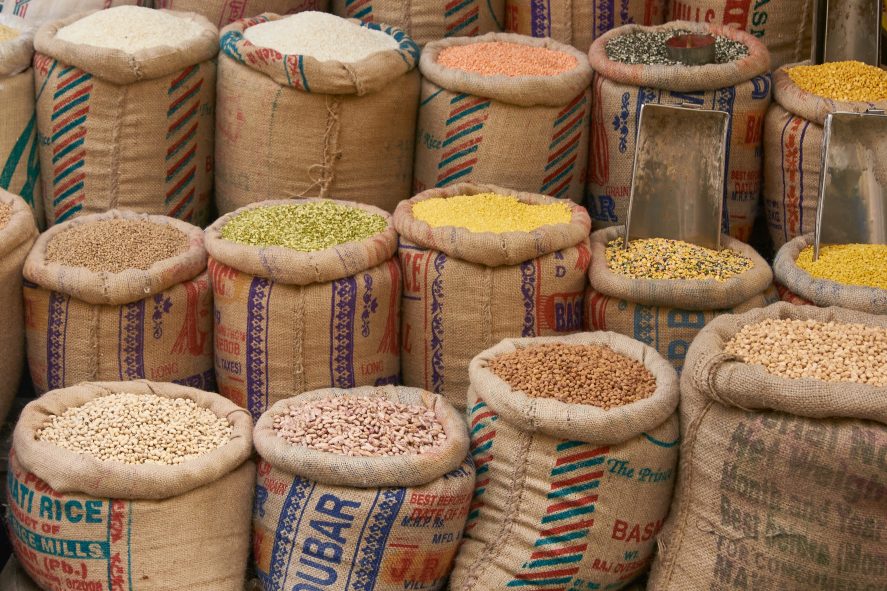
{"points": [[842, 81], [661, 258], [499, 58], [850, 264], [7, 33], [490, 212]]}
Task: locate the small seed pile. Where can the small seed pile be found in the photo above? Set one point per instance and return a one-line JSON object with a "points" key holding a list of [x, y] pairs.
{"points": [[661, 258], [5, 214], [131, 29], [850, 264], [498, 58], [7, 33], [361, 426], [828, 351], [842, 81], [490, 212], [575, 374], [116, 245], [322, 36], [306, 227], [138, 429], [649, 48]]}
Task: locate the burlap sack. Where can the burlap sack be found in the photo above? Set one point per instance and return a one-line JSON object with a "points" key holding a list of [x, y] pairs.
{"points": [[793, 150], [86, 326], [822, 292], [329, 521], [781, 485], [287, 322], [77, 522], [41, 11], [668, 313], [466, 291], [225, 12], [121, 130], [568, 496], [785, 27], [428, 20], [529, 133], [741, 88], [579, 22], [293, 126], [16, 239]]}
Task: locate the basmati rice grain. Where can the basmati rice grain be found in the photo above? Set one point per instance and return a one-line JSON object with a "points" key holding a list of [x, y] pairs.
{"points": [[322, 36], [500, 58], [8, 33], [131, 29]]}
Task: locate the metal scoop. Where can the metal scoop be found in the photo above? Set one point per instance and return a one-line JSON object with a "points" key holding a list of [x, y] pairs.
{"points": [[847, 30], [677, 184], [852, 204]]}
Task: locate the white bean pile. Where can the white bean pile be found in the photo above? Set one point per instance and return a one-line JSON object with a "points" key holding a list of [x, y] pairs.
{"points": [[138, 429], [358, 426]]}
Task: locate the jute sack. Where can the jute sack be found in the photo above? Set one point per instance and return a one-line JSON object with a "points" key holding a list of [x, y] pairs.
{"points": [[793, 149], [324, 520], [822, 292], [287, 322], [569, 494], [785, 27], [19, 166], [293, 126], [77, 522], [579, 22], [781, 483], [82, 325], [529, 133], [667, 314], [225, 12], [122, 130], [41, 11], [466, 291], [428, 20], [16, 239], [741, 88]]}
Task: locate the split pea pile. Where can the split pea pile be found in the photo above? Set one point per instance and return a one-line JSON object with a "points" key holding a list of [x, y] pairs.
{"points": [[575, 374], [7, 33], [306, 227], [850, 264], [649, 48], [498, 58], [660, 258], [842, 81], [828, 351], [490, 212], [361, 426], [116, 245], [138, 429], [5, 214]]}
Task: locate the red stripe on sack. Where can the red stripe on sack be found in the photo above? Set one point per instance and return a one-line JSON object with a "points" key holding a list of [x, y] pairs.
{"points": [[565, 147], [466, 106], [570, 504], [559, 552], [577, 480], [181, 204], [564, 165], [455, 24], [562, 572], [581, 456], [566, 126], [183, 75], [561, 186], [73, 76], [69, 183], [565, 528], [172, 149], [482, 461], [188, 94], [451, 4], [78, 113], [575, 101], [486, 437], [484, 415], [181, 182], [457, 168], [71, 138], [466, 125], [181, 160], [68, 205], [460, 147], [68, 162], [185, 116], [58, 106]]}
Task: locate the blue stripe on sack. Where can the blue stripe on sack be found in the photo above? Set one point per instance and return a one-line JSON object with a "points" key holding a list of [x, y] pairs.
{"points": [[63, 89], [67, 192], [68, 127], [67, 150], [578, 488], [71, 212], [568, 514], [257, 346], [287, 528], [461, 114], [431, 97], [576, 466], [660, 443], [183, 81], [69, 106], [457, 8], [344, 307], [16, 153], [373, 545], [357, 546]]}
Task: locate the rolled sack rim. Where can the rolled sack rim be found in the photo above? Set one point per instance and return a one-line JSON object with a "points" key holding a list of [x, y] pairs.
{"points": [[581, 422], [365, 472], [524, 91], [69, 472], [707, 77], [120, 67], [16, 54], [308, 74], [492, 249], [810, 106], [125, 287], [696, 294], [723, 378], [20, 228], [823, 292], [292, 267]]}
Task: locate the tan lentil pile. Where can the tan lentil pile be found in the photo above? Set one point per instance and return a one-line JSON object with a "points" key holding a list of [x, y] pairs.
{"points": [[499, 58], [490, 212], [660, 258], [575, 374], [138, 429], [828, 351], [361, 426], [8, 33], [850, 264], [842, 81], [5, 214], [116, 245]]}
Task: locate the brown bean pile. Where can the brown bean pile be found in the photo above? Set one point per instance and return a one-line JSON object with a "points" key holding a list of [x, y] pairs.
{"points": [[827, 351], [576, 374], [5, 214], [116, 245], [361, 426]]}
